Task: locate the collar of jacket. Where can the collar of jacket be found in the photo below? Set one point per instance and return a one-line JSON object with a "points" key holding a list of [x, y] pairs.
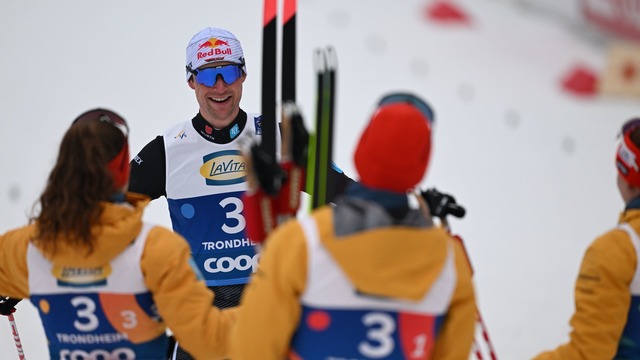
{"points": [[396, 204], [633, 204], [220, 136]]}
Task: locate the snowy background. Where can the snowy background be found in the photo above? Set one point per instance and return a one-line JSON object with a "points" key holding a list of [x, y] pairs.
{"points": [[531, 162]]}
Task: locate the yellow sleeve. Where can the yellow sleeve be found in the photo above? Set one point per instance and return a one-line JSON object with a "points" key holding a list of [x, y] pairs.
{"points": [[14, 276], [602, 299], [456, 336], [270, 307], [183, 301]]}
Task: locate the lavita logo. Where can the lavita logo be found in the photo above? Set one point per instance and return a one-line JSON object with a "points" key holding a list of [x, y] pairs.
{"points": [[224, 168]]}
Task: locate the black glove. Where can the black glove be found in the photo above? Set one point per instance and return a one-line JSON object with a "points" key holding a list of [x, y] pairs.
{"points": [[8, 305], [298, 134], [441, 204], [269, 173]]}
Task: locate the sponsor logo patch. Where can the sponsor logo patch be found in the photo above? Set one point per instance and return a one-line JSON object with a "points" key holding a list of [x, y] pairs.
{"points": [[81, 277], [224, 168]]}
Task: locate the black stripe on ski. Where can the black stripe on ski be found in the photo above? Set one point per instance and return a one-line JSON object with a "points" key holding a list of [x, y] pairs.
{"points": [[314, 145], [269, 67], [289, 50], [332, 62]]}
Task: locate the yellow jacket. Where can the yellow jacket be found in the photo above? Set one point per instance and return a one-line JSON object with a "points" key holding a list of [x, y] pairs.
{"points": [[399, 262], [183, 301], [602, 296]]}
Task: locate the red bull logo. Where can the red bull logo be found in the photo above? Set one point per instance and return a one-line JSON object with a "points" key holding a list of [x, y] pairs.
{"points": [[213, 43], [217, 47]]}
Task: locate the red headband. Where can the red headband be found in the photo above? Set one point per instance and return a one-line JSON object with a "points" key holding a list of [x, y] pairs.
{"points": [[119, 166], [627, 160]]}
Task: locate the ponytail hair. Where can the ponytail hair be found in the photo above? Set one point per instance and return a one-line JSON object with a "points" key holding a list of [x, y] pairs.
{"points": [[92, 163]]}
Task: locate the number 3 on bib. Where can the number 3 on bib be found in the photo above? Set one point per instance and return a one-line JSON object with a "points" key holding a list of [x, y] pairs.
{"points": [[384, 330]]}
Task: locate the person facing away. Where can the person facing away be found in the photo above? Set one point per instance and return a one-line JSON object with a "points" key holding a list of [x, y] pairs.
{"points": [[368, 278], [105, 283], [606, 322], [198, 166]]}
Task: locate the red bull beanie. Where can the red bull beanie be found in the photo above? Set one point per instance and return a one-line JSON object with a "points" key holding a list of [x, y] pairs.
{"points": [[213, 45], [393, 151], [628, 154]]}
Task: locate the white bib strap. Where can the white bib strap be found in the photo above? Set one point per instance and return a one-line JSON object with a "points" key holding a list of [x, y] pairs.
{"points": [[635, 240]]}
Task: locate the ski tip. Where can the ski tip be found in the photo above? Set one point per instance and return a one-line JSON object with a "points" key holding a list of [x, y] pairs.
{"points": [[270, 9], [325, 58], [332, 57], [289, 10], [319, 60]]}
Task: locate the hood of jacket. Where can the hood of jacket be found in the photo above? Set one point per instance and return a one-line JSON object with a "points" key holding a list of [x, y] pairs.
{"points": [[382, 256], [119, 225]]}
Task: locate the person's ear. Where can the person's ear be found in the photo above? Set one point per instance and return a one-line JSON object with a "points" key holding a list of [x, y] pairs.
{"points": [[191, 83]]}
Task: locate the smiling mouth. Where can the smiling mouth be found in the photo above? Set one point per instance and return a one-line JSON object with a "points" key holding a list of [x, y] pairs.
{"points": [[219, 99]]}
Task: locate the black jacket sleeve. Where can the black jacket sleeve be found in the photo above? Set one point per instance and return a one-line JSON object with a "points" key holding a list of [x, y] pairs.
{"points": [[148, 170]]}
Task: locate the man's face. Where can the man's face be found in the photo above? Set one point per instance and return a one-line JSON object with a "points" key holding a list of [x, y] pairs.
{"points": [[220, 103]]}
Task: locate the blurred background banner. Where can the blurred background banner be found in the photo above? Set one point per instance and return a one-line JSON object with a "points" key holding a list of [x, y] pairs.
{"points": [[621, 76], [620, 18]]}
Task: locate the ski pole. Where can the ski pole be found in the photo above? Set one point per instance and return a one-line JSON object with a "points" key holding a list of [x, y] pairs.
{"points": [[483, 328], [7, 308], [440, 205], [485, 335], [16, 337]]}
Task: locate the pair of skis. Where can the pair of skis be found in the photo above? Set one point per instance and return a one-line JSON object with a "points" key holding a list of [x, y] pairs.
{"points": [[321, 146], [269, 66], [320, 149], [275, 184]]}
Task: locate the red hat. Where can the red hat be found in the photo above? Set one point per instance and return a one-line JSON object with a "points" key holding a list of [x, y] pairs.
{"points": [[393, 151], [628, 154]]}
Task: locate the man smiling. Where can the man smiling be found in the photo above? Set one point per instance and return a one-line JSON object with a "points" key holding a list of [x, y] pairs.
{"points": [[197, 165]]}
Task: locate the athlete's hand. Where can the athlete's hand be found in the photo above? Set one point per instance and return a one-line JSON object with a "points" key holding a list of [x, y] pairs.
{"points": [[8, 305], [441, 205]]}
